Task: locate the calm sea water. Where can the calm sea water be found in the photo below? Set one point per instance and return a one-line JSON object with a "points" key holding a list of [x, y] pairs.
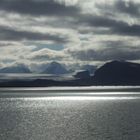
{"points": [[33, 76], [94, 115]]}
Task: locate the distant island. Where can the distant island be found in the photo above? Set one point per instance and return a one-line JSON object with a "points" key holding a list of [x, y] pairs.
{"points": [[111, 73]]}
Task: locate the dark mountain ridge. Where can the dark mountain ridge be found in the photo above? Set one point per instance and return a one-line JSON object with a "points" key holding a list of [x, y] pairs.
{"points": [[82, 74], [118, 73]]}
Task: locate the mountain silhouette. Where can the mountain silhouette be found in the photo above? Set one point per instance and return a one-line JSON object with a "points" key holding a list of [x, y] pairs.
{"points": [[19, 68], [82, 74], [55, 68], [118, 73]]}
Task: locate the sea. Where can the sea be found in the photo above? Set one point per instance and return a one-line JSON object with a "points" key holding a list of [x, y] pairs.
{"points": [[70, 113], [33, 76]]}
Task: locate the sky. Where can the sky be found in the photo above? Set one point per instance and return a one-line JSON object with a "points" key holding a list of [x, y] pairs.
{"points": [[36, 32]]}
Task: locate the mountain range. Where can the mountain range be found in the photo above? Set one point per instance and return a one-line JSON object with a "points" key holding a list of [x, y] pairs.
{"points": [[112, 73], [19, 68], [53, 68]]}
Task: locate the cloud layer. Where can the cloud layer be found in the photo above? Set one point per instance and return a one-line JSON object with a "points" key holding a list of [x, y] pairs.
{"points": [[69, 31]]}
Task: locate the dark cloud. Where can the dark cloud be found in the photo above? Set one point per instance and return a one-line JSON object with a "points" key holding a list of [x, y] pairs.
{"points": [[51, 7], [111, 43], [111, 53], [100, 21], [128, 7], [106, 18], [38, 7], [8, 34], [114, 26], [130, 30]]}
